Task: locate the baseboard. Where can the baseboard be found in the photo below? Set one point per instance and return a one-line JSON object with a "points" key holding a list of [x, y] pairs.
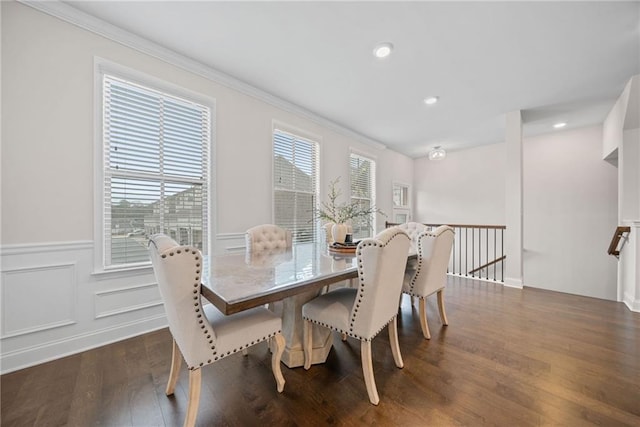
{"points": [[513, 282], [35, 355], [632, 304]]}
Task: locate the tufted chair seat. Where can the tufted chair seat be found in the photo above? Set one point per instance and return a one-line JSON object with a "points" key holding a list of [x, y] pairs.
{"points": [[202, 334], [429, 275], [364, 311], [267, 237]]}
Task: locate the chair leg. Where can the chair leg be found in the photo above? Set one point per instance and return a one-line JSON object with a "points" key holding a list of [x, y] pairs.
{"points": [[393, 342], [275, 360], [195, 381], [367, 370], [423, 318], [174, 373], [443, 314], [307, 339]]}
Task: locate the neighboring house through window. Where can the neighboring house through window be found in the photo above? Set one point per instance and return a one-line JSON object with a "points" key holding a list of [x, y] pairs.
{"points": [[156, 169], [295, 183], [363, 191]]}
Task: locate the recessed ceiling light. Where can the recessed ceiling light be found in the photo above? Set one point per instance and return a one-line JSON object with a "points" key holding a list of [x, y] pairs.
{"points": [[559, 125], [431, 100], [382, 50]]}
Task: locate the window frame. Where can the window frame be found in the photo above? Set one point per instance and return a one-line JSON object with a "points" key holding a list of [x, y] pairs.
{"points": [[401, 209], [102, 67], [303, 135], [373, 184]]}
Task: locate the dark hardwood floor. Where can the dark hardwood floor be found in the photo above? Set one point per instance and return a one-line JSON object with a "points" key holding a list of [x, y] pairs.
{"points": [[508, 358]]}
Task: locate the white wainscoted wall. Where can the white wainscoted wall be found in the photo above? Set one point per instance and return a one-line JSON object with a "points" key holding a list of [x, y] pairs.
{"points": [[52, 302]]}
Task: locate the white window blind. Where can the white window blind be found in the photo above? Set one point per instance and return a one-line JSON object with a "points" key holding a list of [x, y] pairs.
{"points": [[362, 173], [295, 180], [155, 170]]}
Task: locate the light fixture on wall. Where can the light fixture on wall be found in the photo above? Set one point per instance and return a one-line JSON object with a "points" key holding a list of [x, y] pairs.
{"points": [[437, 153]]}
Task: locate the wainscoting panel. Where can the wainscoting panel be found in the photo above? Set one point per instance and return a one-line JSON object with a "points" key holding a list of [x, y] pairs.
{"points": [[38, 298], [125, 300], [53, 304]]}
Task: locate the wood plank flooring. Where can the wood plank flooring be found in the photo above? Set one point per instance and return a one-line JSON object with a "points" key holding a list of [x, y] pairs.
{"points": [[508, 358]]}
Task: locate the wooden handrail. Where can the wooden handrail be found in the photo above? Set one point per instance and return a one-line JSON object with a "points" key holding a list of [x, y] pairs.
{"points": [[617, 235], [388, 224], [502, 258]]}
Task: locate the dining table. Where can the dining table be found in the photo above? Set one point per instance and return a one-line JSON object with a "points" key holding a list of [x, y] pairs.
{"points": [[238, 281]]}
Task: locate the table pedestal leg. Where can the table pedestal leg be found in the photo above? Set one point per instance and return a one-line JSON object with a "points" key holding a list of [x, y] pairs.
{"points": [[292, 324]]}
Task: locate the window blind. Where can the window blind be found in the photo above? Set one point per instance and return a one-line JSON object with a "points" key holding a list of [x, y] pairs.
{"points": [[155, 169], [295, 179], [362, 173]]}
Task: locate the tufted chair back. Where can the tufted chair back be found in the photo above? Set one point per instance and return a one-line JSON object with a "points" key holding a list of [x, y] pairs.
{"points": [[381, 265], [177, 270], [267, 237], [413, 229], [434, 251]]}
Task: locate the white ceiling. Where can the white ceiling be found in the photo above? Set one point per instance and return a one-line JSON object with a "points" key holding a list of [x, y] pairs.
{"points": [[555, 61]]}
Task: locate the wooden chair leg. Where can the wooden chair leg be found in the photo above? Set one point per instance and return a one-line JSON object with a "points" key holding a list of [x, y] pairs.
{"points": [[195, 381], [367, 370], [423, 318], [307, 339], [443, 314], [275, 361], [174, 373], [393, 341]]}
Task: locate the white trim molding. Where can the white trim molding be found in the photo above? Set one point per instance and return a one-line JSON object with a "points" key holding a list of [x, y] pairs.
{"points": [[70, 308]]}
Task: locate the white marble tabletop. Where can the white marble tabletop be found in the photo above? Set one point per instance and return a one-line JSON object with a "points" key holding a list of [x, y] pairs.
{"points": [[236, 282]]}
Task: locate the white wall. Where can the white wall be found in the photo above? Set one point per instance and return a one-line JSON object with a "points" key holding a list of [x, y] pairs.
{"points": [[467, 187], [570, 199], [48, 185], [569, 213]]}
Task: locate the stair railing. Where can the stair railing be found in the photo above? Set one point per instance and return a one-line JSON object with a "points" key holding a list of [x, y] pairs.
{"points": [[618, 235], [478, 251]]}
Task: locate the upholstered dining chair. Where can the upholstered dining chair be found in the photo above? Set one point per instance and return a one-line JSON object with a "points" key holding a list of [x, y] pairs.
{"points": [[430, 273], [267, 237], [413, 229], [202, 334], [363, 312]]}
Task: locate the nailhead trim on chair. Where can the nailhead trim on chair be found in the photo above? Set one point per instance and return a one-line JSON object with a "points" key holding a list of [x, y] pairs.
{"points": [[361, 287], [350, 333], [419, 268], [198, 312], [429, 233]]}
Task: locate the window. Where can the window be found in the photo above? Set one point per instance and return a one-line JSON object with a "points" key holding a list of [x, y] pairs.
{"points": [[401, 206], [156, 169], [295, 184], [363, 172]]}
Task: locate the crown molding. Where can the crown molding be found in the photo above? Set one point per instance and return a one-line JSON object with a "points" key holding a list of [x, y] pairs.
{"points": [[83, 20]]}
